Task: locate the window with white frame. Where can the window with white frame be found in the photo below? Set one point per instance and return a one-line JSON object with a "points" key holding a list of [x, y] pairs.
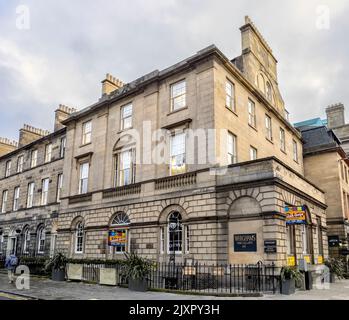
{"points": [[305, 244], [34, 158], [8, 168], [231, 145], [16, 199], [48, 152], [178, 95], [59, 187], [79, 237], [177, 153], [20, 162], [282, 140], [268, 128], [41, 240], [253, 153], [290, 239], [251, 113], [295, 151], [230, 95], [83, 180], [86, 132], [187, 239], [162, 240], [30, 195], [26, 240], [62, 147], [4, 201], [44, 191], [175, 233], [125, 168], [119, 233], [126, 116]]}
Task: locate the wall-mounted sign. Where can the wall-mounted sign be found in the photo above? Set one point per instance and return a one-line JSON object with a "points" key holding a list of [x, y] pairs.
{"points": [[333, 241], [245, 242], [270, 246], [295, 215], [117, 238]]}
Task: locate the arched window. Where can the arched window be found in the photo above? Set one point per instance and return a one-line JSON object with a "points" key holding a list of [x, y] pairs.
{"points": [[119, 234], [269, 92], [175, 233], [41, 239], [79, 237], [261, 83], [26, 240]]}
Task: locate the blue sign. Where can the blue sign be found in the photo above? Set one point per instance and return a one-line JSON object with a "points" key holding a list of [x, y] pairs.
{"points": [[245, 242]]}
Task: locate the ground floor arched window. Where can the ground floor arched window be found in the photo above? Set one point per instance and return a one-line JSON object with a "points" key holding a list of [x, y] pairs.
{"points": [[26, 240], [119, 234], [79, 237], [175, 233], [41, 239]]}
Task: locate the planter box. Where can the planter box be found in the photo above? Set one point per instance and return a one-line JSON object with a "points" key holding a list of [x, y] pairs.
{"points": [[140, 285], [58, 275], [74, 271], [108, 276], [288, 286]]}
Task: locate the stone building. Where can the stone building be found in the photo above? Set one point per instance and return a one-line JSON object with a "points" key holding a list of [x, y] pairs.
{"points": [[326, 165], [224, 204], [197, 162], [31, 177]]}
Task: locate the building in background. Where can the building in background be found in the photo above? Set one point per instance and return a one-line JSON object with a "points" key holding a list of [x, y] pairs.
{"points": [[235, 201], [326, 165], [31, 180]]}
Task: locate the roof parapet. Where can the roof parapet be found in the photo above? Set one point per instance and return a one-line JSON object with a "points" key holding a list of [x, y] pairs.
{"points": [[9, 142]]}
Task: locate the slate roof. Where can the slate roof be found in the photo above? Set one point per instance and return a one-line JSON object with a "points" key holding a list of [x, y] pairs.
{"points": [[319, 139]]}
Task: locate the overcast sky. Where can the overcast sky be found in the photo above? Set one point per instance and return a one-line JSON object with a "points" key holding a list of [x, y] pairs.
{"points": [[67, 47]]}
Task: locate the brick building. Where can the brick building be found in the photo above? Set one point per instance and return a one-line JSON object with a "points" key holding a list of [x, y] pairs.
{"points": [[230, 164]]}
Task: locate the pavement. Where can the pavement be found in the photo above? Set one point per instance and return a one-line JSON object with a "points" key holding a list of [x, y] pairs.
{"points": [[46, 289]]}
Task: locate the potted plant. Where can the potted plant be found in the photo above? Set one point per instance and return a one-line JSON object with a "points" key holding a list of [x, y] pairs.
{"points": [[57, 265], [336, 268], [289, 276], [137, 270]]}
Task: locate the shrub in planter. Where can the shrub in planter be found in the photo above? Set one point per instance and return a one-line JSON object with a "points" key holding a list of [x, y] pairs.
{"points": [[289, 276], [137, 270], [336, 267], [57, 265]]}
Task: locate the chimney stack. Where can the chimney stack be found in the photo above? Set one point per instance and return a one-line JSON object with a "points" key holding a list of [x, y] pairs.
{"points": [[110, 84], [62, 113], [335, 115], [7, 146], [29, 134]]}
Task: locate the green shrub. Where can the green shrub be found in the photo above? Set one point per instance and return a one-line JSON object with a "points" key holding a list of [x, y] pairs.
{"points": [[336, 266], [288, 273]]}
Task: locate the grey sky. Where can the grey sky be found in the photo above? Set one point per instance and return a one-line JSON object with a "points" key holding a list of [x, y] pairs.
{"points": [[71, 45]]}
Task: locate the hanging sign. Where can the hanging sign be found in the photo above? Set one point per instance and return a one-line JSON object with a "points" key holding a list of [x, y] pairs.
{"points": [[333, 241], [245, 242], [295, 215], [117, 238]]}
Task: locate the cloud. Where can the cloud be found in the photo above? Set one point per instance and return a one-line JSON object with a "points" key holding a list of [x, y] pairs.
{"points": [[72, 44]]}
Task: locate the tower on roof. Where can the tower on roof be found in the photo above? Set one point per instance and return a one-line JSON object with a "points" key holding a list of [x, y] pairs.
{"points": [[258, 64]]}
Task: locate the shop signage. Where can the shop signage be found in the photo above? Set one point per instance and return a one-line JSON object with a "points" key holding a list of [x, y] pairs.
{"points": [[117, 238], [295, 215], [291, 261], [245, 242], [320, 259], [344, 252], [333, 241], [270, 246]]}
